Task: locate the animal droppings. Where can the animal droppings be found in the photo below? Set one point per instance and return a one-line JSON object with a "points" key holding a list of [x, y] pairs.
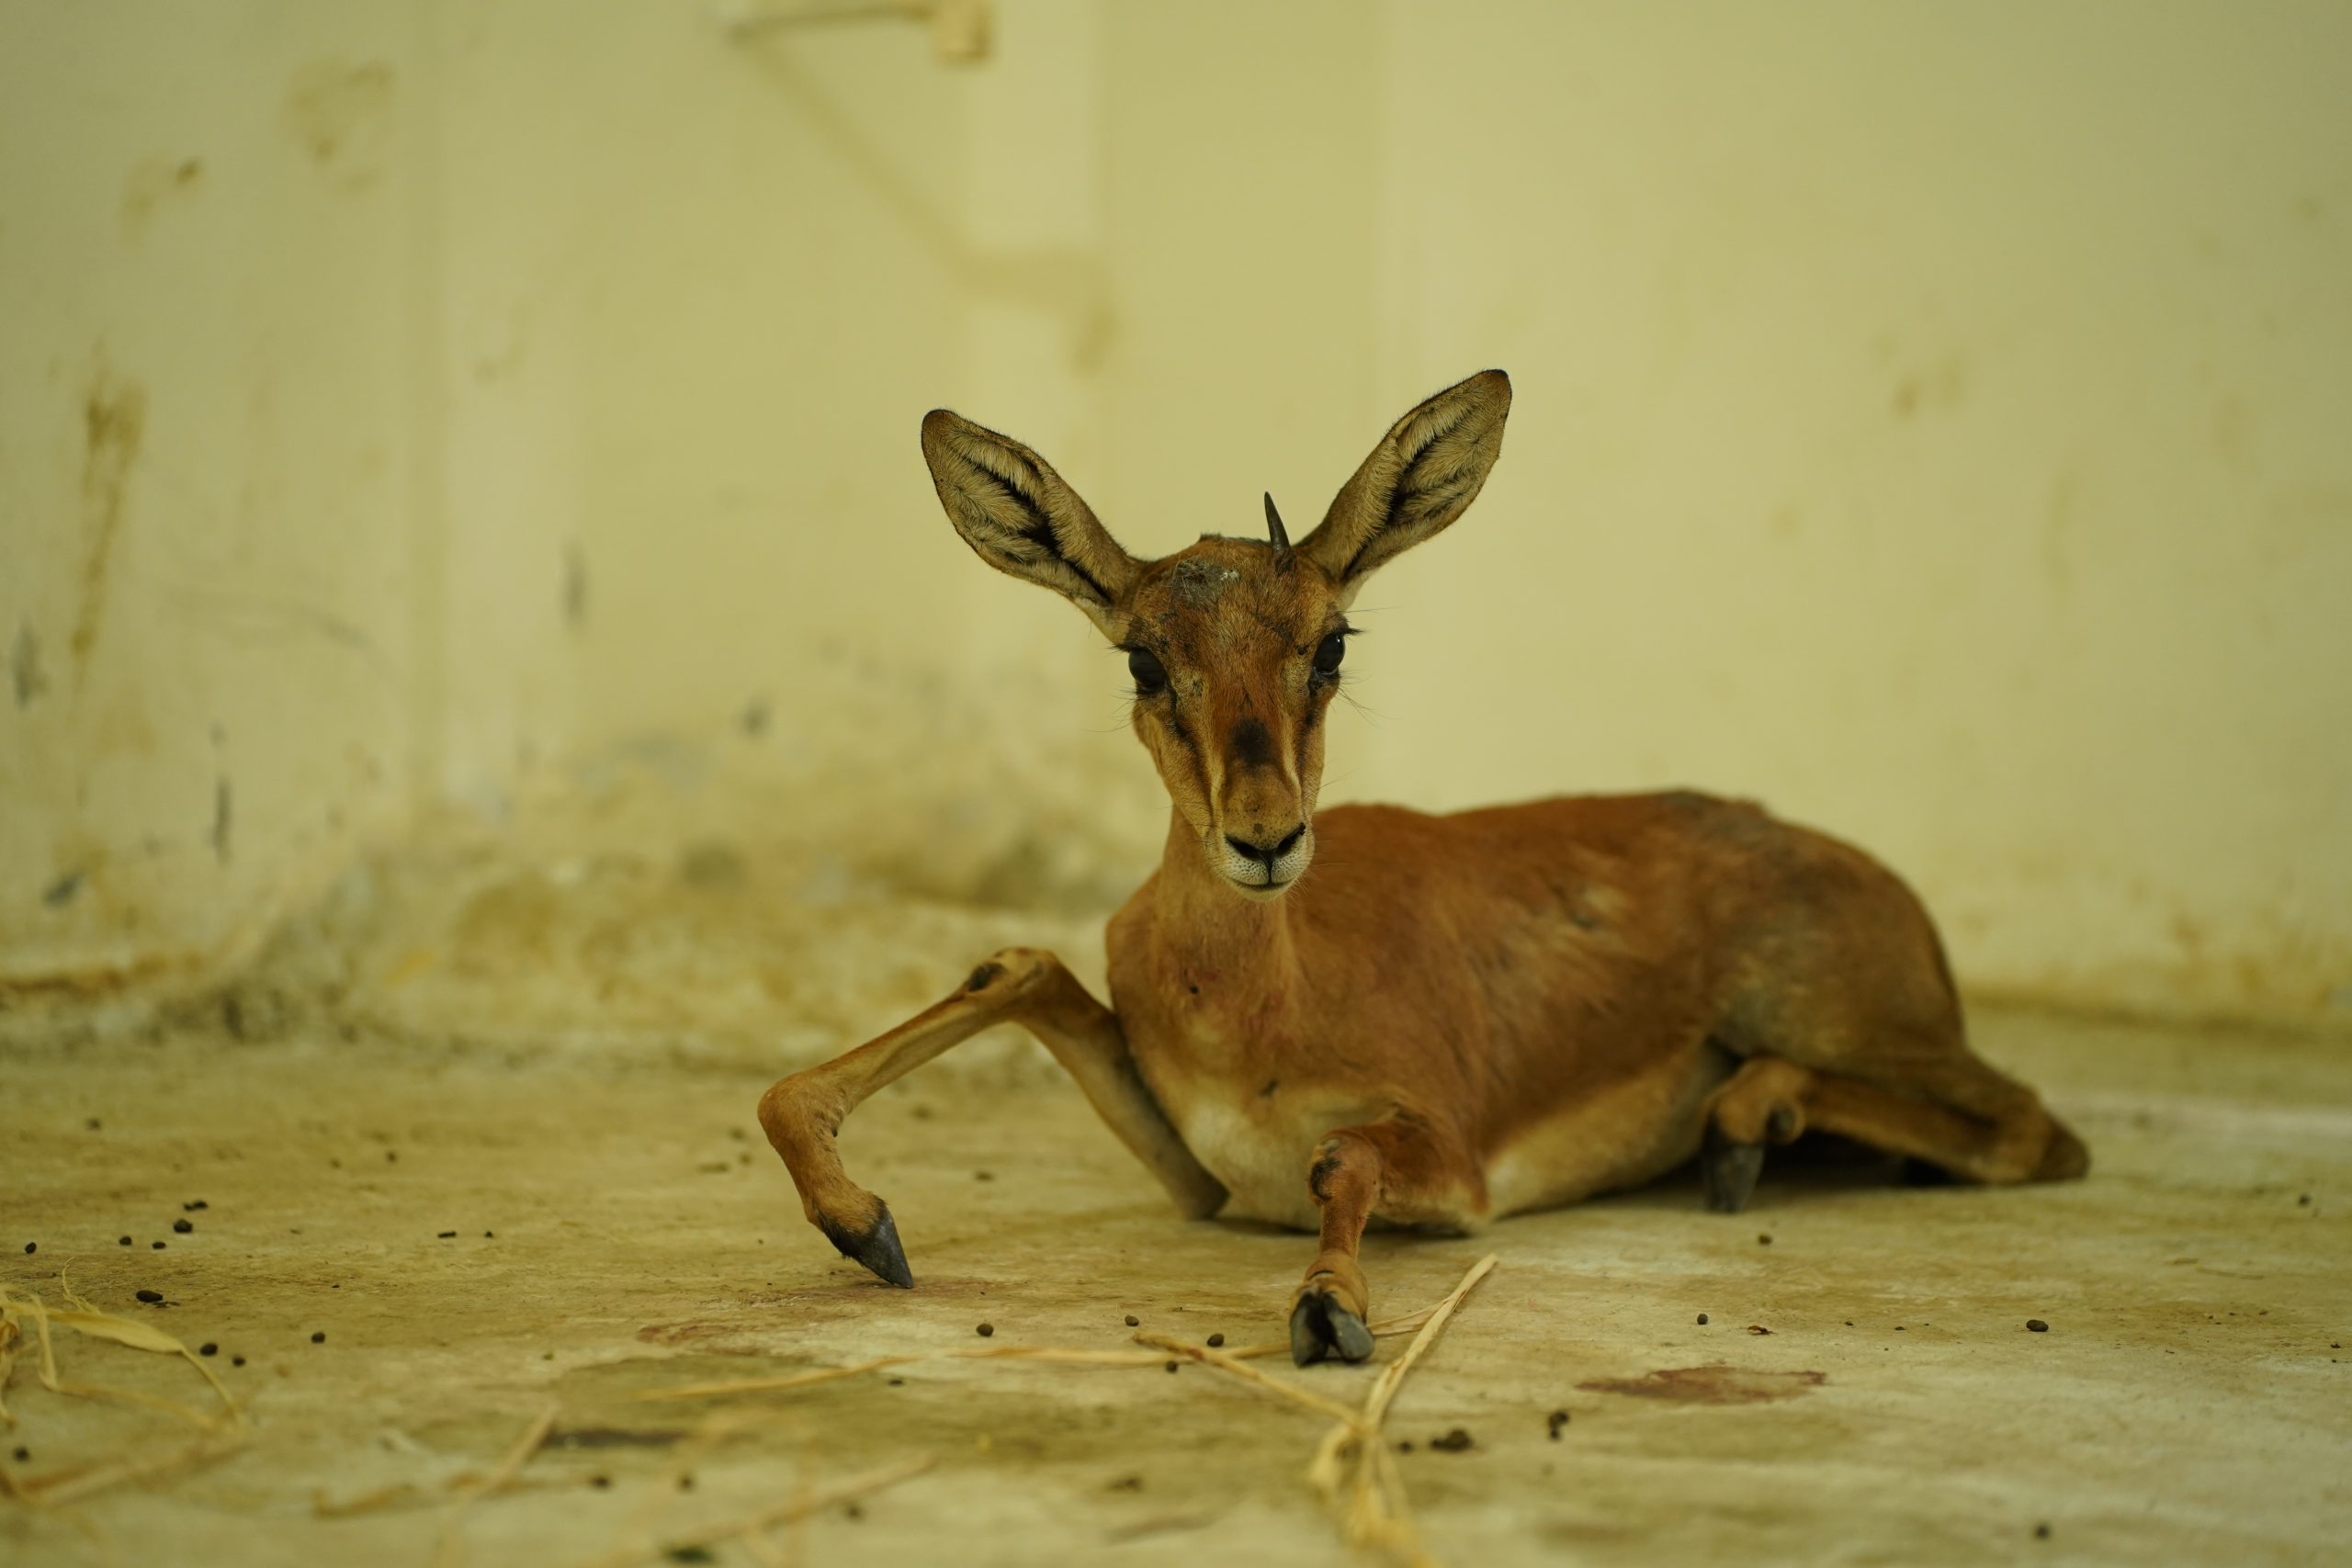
{"points": [[319, 1338], [1702, 1320], [1215, 1340], [124, 1242], [151, 1297], [32, 1246], [1457, 1441], [182, 1227], [1763, 1240], [2036, 1325], [985, 1330], [208, 1349], [1557, 1419], [1133, 1321], [156, 1246], [444, 1236]]}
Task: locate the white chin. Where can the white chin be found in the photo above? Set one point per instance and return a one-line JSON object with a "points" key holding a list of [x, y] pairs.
{"points": [[1260, 892]]}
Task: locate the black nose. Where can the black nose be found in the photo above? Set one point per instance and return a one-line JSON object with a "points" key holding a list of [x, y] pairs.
{"points": [[1267, 854]]}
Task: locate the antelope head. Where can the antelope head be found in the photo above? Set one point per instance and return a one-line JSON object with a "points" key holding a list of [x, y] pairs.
{"points": [[1235, 645]]}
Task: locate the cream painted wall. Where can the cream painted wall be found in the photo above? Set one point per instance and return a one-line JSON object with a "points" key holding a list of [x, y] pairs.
{"points": [[205, 473], [1931, 423]]}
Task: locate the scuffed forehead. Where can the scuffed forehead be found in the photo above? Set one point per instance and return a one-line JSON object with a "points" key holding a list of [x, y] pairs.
{"points": [[1221, 592]]}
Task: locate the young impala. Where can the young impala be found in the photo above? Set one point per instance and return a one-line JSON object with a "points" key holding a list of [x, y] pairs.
{"points": [[1456, 1018]]}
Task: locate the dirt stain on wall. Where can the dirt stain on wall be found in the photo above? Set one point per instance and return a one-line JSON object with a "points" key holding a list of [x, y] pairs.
{"points": [[114, 417], [24, 667], [156, 182], [341, 115]]}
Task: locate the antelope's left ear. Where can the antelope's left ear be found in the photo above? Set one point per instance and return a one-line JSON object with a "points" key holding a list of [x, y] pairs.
{"points": [[1423, 475]]}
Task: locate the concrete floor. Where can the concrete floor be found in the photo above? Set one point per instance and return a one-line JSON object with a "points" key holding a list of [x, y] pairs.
{"points": [[2191, 1402]]}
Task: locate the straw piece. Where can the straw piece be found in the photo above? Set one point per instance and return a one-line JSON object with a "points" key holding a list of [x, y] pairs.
{"points": [[446, 1551], [770, 1385], [1374, 1511], [798, 1507], [65, 1487], [9, 1335], [1251, 1376]]}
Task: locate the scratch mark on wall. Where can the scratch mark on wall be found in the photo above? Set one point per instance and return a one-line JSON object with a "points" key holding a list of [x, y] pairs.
{"points": [[114, 416], [575, 587], [223, 819], [24, 667]]}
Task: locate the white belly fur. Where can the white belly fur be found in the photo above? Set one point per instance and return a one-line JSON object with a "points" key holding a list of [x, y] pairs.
{"points": [[1262, 1150]]}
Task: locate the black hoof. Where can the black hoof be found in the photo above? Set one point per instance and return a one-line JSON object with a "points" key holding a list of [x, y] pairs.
{"points": [[1730, 1170], [878, 1247], [1320, 1327]]}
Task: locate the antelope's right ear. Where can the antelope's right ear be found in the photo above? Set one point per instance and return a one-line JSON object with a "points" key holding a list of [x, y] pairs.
{"points": [[1019, 516], [1424, 474]]}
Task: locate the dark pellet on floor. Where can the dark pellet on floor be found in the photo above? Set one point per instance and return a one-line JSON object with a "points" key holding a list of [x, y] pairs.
{"points": [[1457, 1441], [236, 1361], [485, 1236], [1702, 1319], [156, 1244], [685, 1483], [319, 1337], [194, 1205], [1215, 1340], [1133, 1321], [182, 1227], [985, 1330], [93, 1123], [600, 1481], [151, 1297], [1404, 1445], [124, 1242], [1171, 1366], [208, 1349], [1557, 1419], [2303, 1202], [853, 1512], [32, 1246], [983, 1175], [2036, 1325], [447, 1235], [898, 1383], [2041, 1532], [24, 1454], [1763, 1241]]}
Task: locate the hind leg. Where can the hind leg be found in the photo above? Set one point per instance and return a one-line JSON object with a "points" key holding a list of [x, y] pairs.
{"points": [[1973, 1124]]}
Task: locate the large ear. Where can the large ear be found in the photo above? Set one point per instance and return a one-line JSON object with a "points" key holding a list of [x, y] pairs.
{"points": [[1016, 512], [1423, 476]]}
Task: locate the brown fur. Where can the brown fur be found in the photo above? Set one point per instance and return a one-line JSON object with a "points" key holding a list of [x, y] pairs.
{"points": [[1452, 1017]]}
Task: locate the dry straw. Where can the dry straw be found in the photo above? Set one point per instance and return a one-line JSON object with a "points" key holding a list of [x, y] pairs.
{"points": [[223, 1434], [1352, 1469]]}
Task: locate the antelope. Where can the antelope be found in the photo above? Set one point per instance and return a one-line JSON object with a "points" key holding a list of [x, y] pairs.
{"points": [[1455, 1018]]}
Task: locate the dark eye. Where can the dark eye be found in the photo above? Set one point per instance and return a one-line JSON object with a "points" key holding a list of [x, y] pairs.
{"points": [[1329, 653], [1150, 678]]}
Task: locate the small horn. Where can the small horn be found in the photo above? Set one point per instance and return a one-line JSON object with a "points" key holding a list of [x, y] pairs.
{"points": [[1275, 530]]}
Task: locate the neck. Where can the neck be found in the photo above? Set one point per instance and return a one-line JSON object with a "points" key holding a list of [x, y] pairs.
{"points": [[1208, 926]]}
